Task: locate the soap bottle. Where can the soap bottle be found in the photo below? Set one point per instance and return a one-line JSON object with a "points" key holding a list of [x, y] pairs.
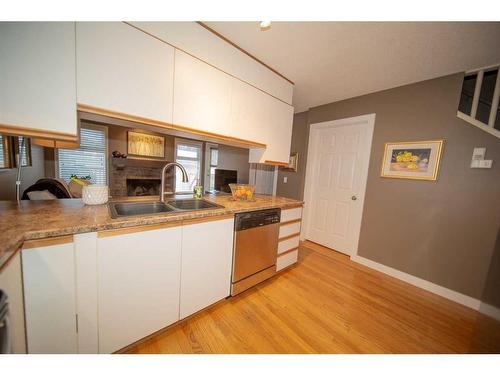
{"points": [[198, 190]]}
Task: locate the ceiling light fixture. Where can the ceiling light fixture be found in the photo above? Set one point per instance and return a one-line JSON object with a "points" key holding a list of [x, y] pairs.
{"points": [[265, 25]]}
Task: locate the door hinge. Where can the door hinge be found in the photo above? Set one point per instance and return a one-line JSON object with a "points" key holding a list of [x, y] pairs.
{"points": [[76, 322]]}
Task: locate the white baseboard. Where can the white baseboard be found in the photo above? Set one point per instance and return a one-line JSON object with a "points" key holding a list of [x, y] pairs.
{"points": [[473, 303], [490, 310]]}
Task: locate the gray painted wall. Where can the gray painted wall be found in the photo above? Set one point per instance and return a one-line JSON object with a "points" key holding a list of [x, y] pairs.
{"points": [[234, 158], [294, 187], [443, 231]]}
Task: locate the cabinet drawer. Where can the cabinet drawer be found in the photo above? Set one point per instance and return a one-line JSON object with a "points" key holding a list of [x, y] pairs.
{"points": [[286, 260], [291, 214], [288, 244], [288, 229]]}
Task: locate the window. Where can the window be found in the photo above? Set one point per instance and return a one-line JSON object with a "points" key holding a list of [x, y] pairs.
{"points": [[214, 156], [479, 99], [10, 146], [187, 153], [89, 159], [4, 152]]}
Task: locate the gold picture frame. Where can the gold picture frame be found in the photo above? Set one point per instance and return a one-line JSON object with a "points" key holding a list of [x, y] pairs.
{"points": [[416, 160], [145, 145]]}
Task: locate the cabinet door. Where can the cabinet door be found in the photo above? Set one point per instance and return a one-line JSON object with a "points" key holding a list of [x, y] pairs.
{"points": [[202, 95], [37, 77], [11, 283], [207, 253], [260, 117], [122, 69], [138, 285], [49, 294], [279, 123]]}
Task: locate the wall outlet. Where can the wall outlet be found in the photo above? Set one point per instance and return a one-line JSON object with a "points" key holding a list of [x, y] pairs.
{"points": [[485, 163], [285, 180]]}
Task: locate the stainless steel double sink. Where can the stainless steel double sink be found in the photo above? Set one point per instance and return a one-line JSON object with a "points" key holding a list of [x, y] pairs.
{"points": [[126, 209]]}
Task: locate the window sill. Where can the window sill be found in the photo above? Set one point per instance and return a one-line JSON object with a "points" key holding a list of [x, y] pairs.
{"points": [[478, 124]]}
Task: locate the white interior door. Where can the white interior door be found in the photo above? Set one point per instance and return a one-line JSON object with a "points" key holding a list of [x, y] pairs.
{"points": [[336, 173]]}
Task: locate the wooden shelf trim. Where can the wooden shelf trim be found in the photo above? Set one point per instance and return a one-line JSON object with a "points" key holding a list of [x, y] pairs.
{"points": [[283, 223], [37, 133], [288, 251], [165, 125], [50, 241], [137, 228], [289, 236], [276, 163]]}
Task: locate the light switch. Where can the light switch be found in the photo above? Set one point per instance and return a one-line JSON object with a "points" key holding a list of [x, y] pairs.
{"points": [[479, 153], [285, 180]]}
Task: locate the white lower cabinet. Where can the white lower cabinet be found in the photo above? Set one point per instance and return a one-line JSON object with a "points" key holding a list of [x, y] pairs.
{"points": [[207, 253], [50, 298], [138, 285], [11, 283]]}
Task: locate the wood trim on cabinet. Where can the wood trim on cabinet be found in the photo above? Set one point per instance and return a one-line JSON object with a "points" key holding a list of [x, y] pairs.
{"points": [[50, 241], [288, 251], [137, 229], [276, 163], [54, 144], [288, 237], [207, 219], [283, 223], [202, 24], [292, 206], [164, 125], [219, 136], [37, 133], [122, 116]]}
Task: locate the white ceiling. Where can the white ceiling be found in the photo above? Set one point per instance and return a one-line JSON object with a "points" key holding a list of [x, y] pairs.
{"points": [[331, 61]]}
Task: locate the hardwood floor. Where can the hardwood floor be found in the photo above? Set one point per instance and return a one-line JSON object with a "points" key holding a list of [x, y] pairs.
{"points": [[328, 304]]}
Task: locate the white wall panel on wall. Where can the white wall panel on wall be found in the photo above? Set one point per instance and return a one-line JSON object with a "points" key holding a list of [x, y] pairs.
{"points": [[122, 69], [202, 96], [37, 76], [198, 41]]}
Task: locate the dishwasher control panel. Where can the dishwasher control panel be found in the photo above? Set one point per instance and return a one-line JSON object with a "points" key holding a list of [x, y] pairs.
{"points": [[254, 219]]}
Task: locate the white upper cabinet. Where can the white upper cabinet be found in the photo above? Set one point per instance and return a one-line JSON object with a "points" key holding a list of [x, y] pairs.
{"points": [[263, 119], [122, 69], [37, 77], [200, 42], [202, 95]]}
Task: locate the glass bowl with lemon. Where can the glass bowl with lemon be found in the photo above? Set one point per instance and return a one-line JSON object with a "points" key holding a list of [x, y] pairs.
{"points": [[242, 192]]}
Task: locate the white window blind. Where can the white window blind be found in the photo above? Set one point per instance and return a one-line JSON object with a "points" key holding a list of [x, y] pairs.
{"points": [[89, 159], [189, 155], [3, 158]]}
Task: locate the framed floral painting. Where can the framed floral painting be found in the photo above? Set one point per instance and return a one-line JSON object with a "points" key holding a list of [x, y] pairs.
{"points": [[412, 160]]}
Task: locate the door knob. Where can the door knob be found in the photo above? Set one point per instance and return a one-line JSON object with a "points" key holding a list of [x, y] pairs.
{"points": [[354, 197]]}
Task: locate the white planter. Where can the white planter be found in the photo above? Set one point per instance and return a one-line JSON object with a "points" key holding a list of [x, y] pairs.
{"points": [[95, 194]]}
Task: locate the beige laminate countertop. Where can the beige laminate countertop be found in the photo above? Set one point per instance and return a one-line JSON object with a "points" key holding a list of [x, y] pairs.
{"points": [[43, 219]]}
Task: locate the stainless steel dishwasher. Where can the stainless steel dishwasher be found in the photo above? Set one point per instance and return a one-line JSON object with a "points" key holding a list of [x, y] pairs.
{"points": [[255, 248]]}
